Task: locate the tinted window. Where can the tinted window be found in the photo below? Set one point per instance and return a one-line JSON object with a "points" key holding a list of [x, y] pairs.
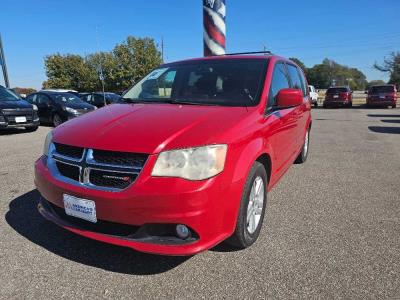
{"points": [[296, 81], [382, 89], [66, 98], [6, 95], [337, 90], [42, 99], [279, 81], [31, 98], [228, 82]]}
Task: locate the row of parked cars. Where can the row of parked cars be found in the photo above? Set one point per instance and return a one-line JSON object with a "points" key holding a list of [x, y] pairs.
{"points": [[342, 96], [48, 107]]}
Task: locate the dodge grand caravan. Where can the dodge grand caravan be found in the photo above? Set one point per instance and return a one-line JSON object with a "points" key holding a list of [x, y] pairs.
{"points": [[186, 163]]}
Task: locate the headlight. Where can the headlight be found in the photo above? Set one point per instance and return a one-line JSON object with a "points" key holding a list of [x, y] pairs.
{"points": [[193, 163], [35, 108], [47, 142], [71, 110]]}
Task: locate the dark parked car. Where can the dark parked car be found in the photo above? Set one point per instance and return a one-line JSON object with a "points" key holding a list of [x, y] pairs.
{"points": [[16, 112], [56, 107], [382, 95], [101, 99], [338, 96]]}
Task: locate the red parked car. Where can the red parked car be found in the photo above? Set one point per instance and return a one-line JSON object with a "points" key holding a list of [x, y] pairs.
{"points": [[382, 95], [338, 96], [186, 163]]}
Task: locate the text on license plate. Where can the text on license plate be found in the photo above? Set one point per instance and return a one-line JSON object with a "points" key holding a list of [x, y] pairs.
{"points": [[80, 208], [20, 119]]}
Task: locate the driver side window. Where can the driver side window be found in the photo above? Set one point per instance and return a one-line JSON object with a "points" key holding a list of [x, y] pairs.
{"points": [[280, 80]]}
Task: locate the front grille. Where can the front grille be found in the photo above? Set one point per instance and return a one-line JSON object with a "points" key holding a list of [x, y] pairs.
{"points": [[9, 115], [119, 158], [17, 112], [96, 168], [70, 151], [111, 179], [68, 171]]}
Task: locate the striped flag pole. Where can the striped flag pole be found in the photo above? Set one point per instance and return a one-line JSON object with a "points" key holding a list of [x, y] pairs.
{"points": [[214, 13]]}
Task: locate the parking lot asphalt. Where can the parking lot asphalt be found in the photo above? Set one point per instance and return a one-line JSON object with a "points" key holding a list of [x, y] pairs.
{"points": [[332, 229]]}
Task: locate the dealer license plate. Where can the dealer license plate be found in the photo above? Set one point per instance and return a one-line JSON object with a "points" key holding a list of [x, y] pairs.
{"points": [[80, 208], [20, 119]]}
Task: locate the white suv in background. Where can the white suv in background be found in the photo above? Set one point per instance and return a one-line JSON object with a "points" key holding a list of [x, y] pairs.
{"points": [[313, 95]]}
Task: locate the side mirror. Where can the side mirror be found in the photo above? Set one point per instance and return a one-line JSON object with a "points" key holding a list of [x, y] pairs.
{"points": [[289, 97]]}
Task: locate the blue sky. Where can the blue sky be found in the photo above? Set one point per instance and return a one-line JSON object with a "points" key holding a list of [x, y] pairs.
{"points": [[355, 33]]}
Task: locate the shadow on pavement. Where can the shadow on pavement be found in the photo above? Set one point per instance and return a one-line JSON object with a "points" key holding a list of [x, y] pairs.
{"points": [[13, 131], [382, 129], [383, 116], [24, 218], [391, 121]]}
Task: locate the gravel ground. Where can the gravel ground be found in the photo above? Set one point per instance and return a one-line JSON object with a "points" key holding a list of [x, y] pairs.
{"points": [[332, 229]]}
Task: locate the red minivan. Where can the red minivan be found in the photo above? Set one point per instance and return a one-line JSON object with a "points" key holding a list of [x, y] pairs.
{"points": [[186, 162], [338, 96], [382, 95]]}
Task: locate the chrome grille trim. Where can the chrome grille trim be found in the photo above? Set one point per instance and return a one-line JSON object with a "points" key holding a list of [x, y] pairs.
{"points": [[85, 164]]}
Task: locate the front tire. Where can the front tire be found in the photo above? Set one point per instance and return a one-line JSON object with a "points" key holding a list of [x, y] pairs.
{"points": [[304, 150], [252, 208], [57, 120]]}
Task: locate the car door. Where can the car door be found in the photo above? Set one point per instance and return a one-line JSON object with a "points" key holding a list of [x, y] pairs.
{"points": [[281, 123], [44, 107], [98, 100], [297, 81]]}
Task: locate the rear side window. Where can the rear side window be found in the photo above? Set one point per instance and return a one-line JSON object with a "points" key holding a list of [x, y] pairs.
{"points": [[280, 81], [297, 82], [382, 89]]}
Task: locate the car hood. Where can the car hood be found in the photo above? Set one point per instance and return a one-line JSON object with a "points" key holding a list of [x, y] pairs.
{"points": [[149, 128], [14, 104]]}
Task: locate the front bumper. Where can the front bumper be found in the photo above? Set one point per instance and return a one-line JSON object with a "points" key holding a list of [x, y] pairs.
{"points": [[208, 207], [6, 125]]}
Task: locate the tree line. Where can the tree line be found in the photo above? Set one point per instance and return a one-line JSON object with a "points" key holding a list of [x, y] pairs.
{"points": [[119, 68], [330, 73]]}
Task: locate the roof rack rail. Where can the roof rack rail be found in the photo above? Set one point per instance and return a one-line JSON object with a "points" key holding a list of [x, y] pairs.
{"points": [[254, 52]]}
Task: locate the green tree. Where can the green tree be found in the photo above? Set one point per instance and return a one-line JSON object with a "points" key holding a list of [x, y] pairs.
{"points": [[375, 82], [330, 72], [66, 71], [134, 59], [124, 65], [391, 65]]}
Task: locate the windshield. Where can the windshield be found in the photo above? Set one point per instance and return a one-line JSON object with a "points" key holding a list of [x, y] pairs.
{"points": [[382, 89], [336, 90], [66, 98], [7, 95], [223, 82]]}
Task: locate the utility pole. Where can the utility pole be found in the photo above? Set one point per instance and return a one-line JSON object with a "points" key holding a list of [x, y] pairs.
{"points": [[162, 48], [3, 64]]}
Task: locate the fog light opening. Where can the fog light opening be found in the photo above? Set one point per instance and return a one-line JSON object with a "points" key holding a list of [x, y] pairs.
{"points": [[182, 231]]}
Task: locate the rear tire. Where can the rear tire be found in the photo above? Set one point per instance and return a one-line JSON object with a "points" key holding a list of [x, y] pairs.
{"points": [[324, 105], [57, 120], [31, 129], [316, 104], [350, 104], [304, 150], [252, 208], [394, 106]]}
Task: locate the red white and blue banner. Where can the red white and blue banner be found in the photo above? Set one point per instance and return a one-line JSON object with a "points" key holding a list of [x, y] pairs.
{"points": [[214, 13]]}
